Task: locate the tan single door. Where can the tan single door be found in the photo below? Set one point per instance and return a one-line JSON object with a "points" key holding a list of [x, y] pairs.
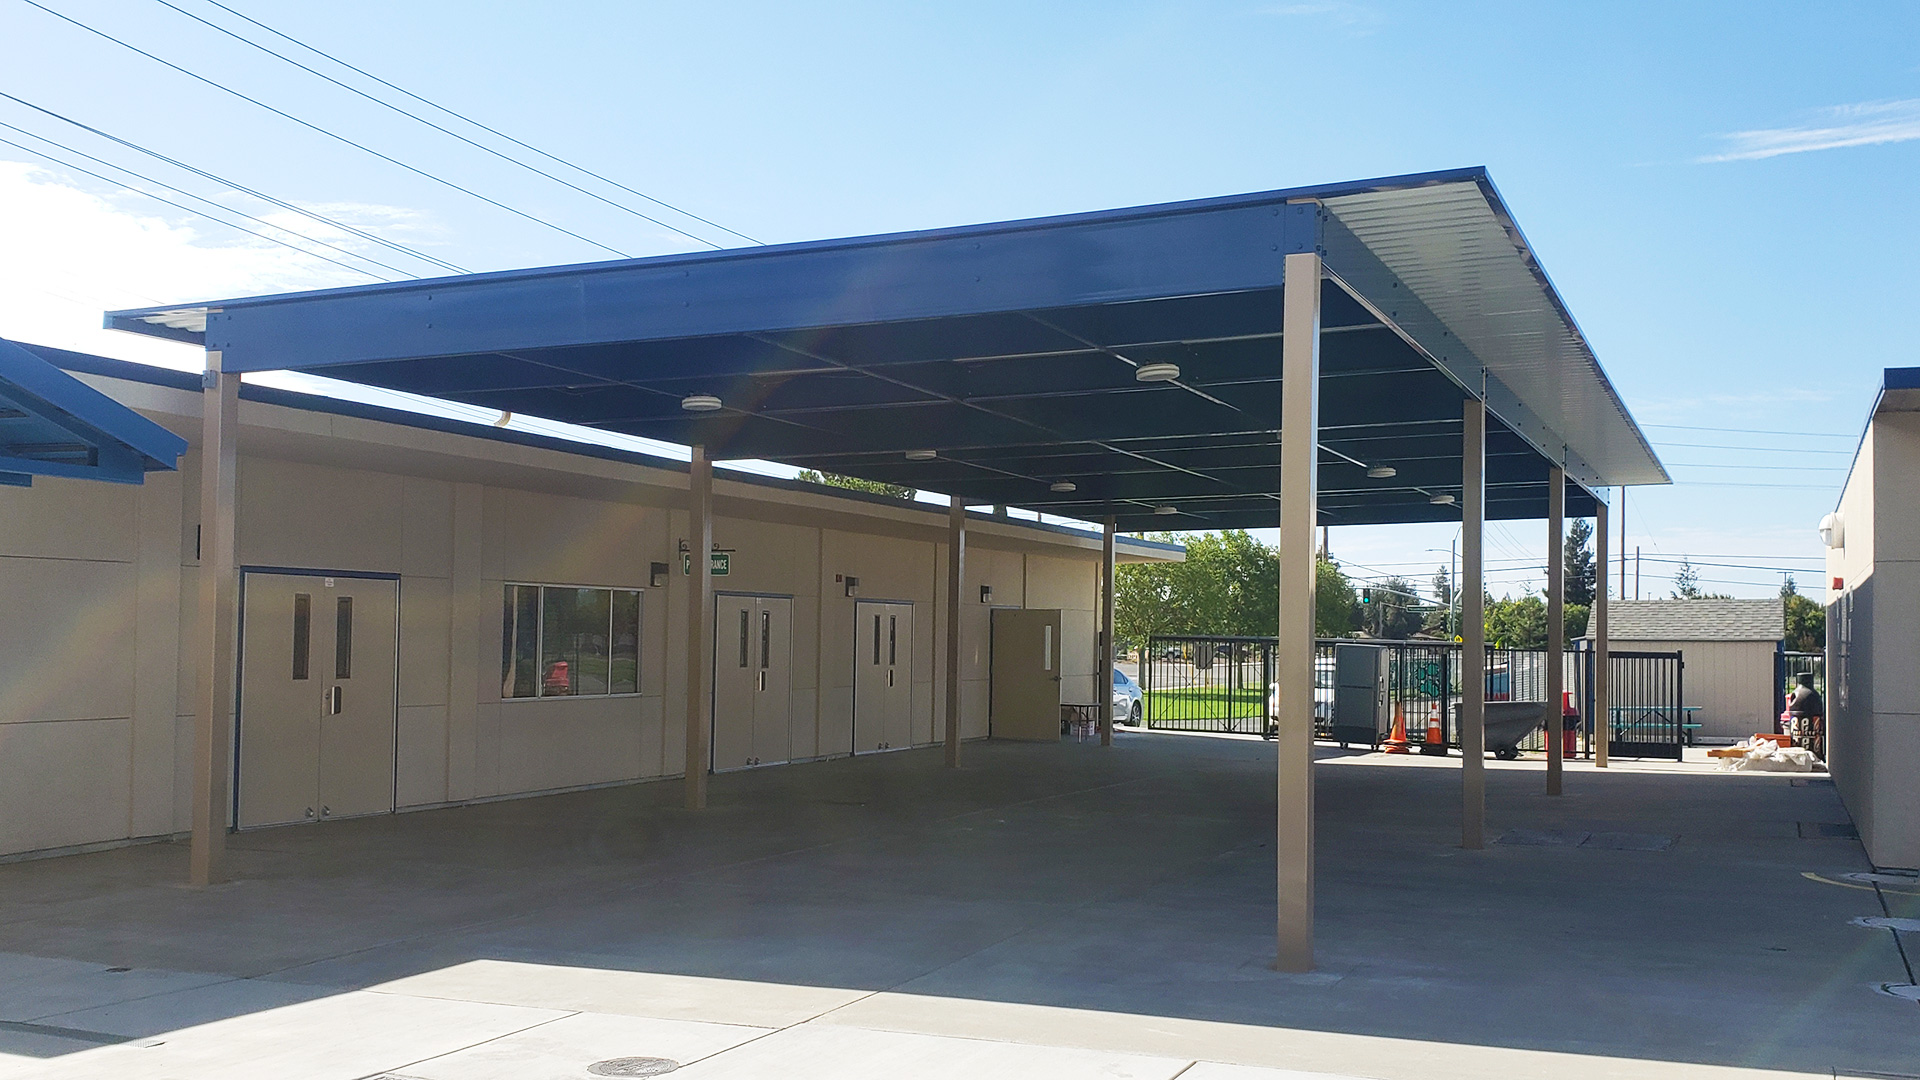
{"points": [[773, 686], [357, 726], [318, 697], [1025, 669], [899, 689], [869, 676], [736, 673]]}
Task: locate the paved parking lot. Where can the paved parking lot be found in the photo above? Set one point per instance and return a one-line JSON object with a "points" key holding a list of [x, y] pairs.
{"points": [[1056, 911]]}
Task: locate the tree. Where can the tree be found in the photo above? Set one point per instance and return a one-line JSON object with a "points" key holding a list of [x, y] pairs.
{"points": [[1806, 623], [1686, 581], [1397, 611], [1517, 623], [1580, 572], [1576, 620], [1686, 584], [1335, 607], [854, 483], [1439, 617]]}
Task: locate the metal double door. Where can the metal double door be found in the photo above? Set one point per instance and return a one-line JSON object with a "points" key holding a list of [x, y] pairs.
{"points": [[752, 681], [883, 678], [318, 698]]}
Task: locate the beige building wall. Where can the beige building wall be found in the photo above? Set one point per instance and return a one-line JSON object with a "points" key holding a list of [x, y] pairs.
{"points": [[96, 690], [1873, 640]]}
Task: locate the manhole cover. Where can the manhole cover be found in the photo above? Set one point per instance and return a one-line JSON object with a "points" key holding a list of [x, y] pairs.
{"points": [[1876, 922], [633, 1066], [1906, 991], [1543, 837], [1626, 841], [1866, 878]]}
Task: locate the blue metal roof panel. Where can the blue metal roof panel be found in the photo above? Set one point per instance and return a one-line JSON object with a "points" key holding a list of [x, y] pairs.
{"points": [[52, 424]]}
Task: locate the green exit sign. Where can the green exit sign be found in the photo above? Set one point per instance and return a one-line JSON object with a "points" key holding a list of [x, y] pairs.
{"points": [[717, 563]]}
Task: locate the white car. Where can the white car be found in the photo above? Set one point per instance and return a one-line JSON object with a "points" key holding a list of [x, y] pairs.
{"points": [[1322, 701]]}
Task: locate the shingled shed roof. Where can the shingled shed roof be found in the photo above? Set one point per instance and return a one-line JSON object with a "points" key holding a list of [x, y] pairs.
{"points": [[1694, 620]]}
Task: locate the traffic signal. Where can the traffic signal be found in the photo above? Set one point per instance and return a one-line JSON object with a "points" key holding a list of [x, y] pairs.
{"points": [[1366, 596]]}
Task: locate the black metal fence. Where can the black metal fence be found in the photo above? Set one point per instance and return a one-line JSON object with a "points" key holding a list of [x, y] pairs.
{"points": [[1789, 666], [1224, 684]]}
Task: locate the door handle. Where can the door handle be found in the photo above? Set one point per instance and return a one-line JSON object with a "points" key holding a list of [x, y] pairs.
{"points": [[763, 682]]}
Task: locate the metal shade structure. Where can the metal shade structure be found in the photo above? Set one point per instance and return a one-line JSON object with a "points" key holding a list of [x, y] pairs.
{"points": [[1011, 350], [52, 424]]}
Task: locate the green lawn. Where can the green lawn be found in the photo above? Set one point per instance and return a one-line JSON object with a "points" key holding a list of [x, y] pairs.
{"points": [[1205, 701]]}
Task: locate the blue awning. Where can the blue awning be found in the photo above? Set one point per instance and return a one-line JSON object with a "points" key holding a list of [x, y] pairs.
{"points": [[52, 424], [998, 362]]}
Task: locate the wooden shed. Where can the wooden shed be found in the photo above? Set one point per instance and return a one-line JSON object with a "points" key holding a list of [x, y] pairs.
{"points": [[1727, 651]]}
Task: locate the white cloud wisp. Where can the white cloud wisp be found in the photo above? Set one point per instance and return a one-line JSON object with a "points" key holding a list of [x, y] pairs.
{"points": [[1871, 123]]}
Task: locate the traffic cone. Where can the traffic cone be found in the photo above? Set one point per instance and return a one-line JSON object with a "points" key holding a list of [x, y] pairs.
{"points": [[1397, 741], [1436, 737]]}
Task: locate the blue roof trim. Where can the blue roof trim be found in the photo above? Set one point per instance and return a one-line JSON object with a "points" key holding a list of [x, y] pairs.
{"points": [[52, 424], [1902, 378], [106, 367]]}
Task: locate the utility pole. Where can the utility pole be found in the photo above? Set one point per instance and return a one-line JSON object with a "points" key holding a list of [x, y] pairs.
{"points": [[1636, 571], [1623, 542]]}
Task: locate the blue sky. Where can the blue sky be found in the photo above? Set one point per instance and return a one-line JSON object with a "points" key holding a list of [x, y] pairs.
{"points": [[1724, 193]]}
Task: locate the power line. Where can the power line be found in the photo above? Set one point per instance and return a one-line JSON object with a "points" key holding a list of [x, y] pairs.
{"points": [[1750, 431], [190, 210], [1769, 468], [492, 131], [1755, 449], [329, 134], [421, 119], [205, 175], [178, 191]]}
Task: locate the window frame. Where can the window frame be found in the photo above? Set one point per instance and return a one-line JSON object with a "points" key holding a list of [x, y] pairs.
{"points": [[540, 639]]}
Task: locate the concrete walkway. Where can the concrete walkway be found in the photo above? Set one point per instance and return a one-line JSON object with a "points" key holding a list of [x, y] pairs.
{"points": [[1049, 911]]}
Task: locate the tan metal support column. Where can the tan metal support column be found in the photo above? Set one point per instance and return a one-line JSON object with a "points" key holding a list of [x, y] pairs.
{"points": [[1293, 657], [1602, 714], [214, 647], [1556, 621], [1103, 678], [956, 575], [699, 630], [1473, 626]]}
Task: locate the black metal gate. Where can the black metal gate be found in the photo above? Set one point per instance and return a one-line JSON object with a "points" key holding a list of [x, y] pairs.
{"points": [[1215, 684], [1646, 701]]}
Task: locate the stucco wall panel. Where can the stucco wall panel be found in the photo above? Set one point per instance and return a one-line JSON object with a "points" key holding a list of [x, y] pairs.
{"points": [[80, 766]]}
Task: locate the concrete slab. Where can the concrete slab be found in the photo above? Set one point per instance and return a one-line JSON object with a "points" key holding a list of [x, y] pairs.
{"points": [[837, 1053], [36, 987], [1114, 903], [340, 1037], [563, 1049]]}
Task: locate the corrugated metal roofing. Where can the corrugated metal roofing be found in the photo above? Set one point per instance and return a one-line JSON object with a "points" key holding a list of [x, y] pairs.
{"points": [[1694, 620]]}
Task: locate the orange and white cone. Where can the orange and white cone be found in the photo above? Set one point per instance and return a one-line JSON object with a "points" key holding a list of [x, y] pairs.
{"points": [[1397, 741], [1436, 738]]}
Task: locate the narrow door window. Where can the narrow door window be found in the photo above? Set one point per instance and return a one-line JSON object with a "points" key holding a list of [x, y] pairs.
{"points": [[1046, 648], [302, 633], [766, 636], [876, 640], [743, 637], [343, 638], [893, 635]]}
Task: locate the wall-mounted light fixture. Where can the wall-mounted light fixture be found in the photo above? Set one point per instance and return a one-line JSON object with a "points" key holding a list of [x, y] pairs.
{"points": [[657, 575], [1833, 531], [853, 585], [986, 594]]}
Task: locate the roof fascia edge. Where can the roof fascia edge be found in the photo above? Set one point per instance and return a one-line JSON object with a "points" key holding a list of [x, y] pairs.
{"points": [[1361, 273]]}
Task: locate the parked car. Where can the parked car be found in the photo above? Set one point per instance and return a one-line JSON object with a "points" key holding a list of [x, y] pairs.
{"points": [[1322, 702], [1126, 699]]}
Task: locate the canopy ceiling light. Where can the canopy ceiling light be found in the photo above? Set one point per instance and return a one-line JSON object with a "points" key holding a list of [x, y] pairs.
{"points": [[1441, 500], [1157, 372], [1383, 472], [1063, 486], [1163, 511], [921, 455], [700, 403]]}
